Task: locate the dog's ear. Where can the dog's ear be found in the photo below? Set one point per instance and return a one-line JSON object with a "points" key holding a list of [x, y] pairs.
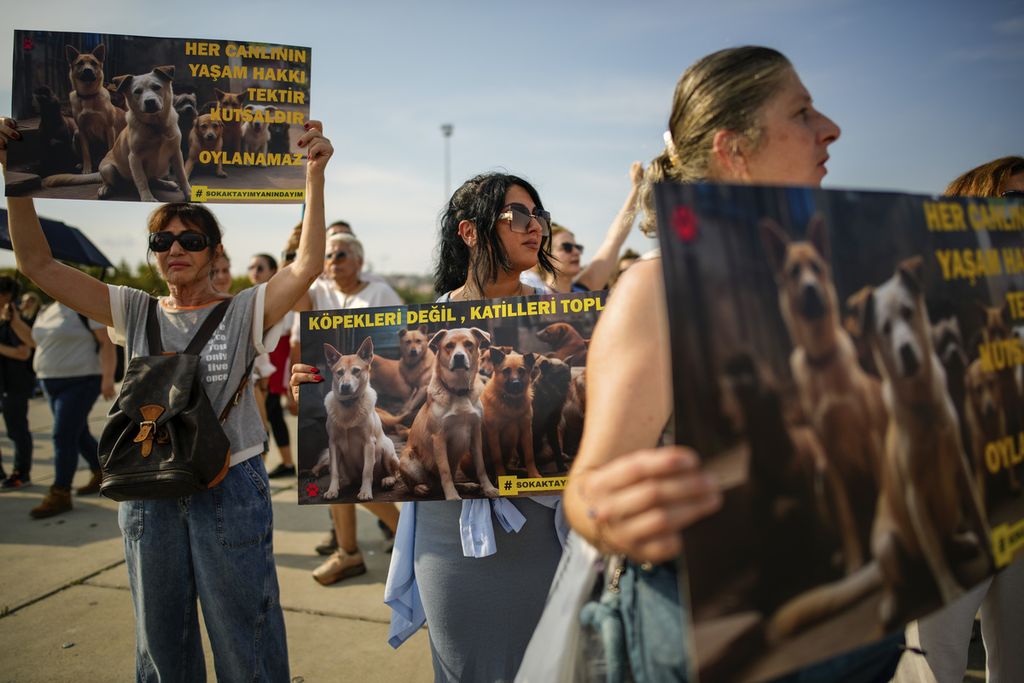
{"points": [[482, 337], [249, 107], [220, 94], [243, 96], [164, 73], [366, 350], [331, 354], [775, 241], [71, 53], [544, 364], [423, 330], [911, 272], [497, 356], [529, 359], [817, 234], [122, 83], [864, 312], [100, 52], [435, 341], [402, 333]]}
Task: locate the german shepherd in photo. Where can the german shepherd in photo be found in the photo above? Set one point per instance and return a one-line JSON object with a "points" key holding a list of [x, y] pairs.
{"points": [[149, 144], [550, 392], [448, 427], [232, 128], [842, 402], [94, 115], [358, 448], [58, 133], [508, 411]]}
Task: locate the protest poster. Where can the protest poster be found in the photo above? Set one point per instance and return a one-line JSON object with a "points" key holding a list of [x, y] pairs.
{"points": [[415, 398], [132, 118], [849, 366]]}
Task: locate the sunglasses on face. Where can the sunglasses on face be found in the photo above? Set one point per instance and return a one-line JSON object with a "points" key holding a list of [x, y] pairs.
{"points": [[519, 218], [1013, 194], [257, 267], [332, 255], [288, 255], [568, 247], [189, 241]]}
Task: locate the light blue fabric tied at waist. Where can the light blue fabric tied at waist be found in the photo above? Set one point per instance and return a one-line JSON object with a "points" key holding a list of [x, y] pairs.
{"points": [[476, 529]]}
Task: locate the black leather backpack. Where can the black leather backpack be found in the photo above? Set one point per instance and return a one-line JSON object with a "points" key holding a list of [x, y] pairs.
{"points": [[162, 438]]}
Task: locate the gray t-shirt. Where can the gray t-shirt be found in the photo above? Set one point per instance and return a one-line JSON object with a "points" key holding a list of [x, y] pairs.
{"points": [[64, 347], [233, 345]]}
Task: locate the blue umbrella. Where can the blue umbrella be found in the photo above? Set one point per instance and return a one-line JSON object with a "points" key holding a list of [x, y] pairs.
{"points": [[66, 243]]}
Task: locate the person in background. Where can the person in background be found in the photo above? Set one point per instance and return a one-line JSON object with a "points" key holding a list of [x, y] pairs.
{"points": [[628, 258], [344, 287], [567, 253], [75, 362], [29, 306], [946, 635], [262, 267], [220, 274], [17, 381]]}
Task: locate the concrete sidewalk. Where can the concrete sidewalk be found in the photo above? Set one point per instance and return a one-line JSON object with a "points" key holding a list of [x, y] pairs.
{"points": [[65, 612]]}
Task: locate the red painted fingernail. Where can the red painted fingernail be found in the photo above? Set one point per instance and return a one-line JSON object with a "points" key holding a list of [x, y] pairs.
{"points": [[306, 126], [314, 371], [318, 378], [301, 143]]}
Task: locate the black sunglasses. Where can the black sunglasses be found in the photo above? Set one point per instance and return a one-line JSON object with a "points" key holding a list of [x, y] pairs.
{"points": [[1013, 194], [519, 218], [189, 241], [331, 255], [567, 247]]}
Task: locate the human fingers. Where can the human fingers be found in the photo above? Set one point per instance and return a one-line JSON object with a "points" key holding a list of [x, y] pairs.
{"points": [[314, 129], [303, 374], [636, 172], [658, 521], [683, 488], [320, 150], [8, 131], [626, 470]]}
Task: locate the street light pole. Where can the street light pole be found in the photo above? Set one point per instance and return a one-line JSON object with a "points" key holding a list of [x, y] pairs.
{"points": [[446, 130]]}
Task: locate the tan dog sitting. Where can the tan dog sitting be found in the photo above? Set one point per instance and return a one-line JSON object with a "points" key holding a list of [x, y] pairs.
{"points": [[508, 410], [566, 343], [406, 378], [449, 424], [94, 115], [207, 135]]}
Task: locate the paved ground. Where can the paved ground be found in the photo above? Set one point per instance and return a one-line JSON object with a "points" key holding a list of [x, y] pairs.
{"points": [[65, 612]]}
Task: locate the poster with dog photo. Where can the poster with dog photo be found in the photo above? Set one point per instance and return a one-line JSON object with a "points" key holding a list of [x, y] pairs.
{"points": [[461, 399], [849, 366], [135, 118]]}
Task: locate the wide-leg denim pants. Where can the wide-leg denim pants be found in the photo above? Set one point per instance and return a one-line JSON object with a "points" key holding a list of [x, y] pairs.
{"points": [[216, 546]]}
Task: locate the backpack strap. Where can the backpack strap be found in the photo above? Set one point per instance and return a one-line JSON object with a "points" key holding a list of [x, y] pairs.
{"points": [[238, 392], [85, 321], [156, 346]]}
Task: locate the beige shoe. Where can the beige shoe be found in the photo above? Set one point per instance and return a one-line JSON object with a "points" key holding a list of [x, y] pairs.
{"points": [[58, 500], [93, 486], [338, 566]]}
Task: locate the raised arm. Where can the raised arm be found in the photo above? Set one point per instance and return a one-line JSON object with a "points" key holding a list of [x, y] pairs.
{"points": [[291, 282], [108, 363], [625, 495], [75, 289], [600, 269]]}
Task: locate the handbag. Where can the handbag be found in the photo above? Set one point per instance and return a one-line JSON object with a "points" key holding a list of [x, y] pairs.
{"points": [[162, 438]]}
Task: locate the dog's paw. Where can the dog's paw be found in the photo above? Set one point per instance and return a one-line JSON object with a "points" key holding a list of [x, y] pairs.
{"points": [[364, 495], [221, 174], [103, 192], [491, 492], [164, 184], [421, 490], [388, 482], [331, 493], [147, 197]]}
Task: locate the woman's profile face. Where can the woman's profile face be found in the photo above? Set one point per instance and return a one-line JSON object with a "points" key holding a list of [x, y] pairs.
{"points": [[795, 137], [521, 247], [220, 274], [566, 252]]}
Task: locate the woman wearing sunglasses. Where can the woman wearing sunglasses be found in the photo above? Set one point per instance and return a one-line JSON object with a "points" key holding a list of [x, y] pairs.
{"points": [[215, 545], [946, 635], [740, 116], [567, 252], [477, 571]]}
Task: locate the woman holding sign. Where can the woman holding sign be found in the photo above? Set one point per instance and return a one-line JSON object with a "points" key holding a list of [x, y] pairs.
{"points": [[739, 116], [216, 545]]}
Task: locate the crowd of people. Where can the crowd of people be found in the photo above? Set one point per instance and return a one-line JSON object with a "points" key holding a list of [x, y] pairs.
{"points": [[739, 115]]}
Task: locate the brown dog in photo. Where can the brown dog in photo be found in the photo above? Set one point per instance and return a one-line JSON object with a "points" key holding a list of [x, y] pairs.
{"points": [[996, 330], [842, 402], [94, 115], [358, 449], [449, 424], [508, 411], [550, 392], [406, 378], [233, 128], [986, 423], [566, 343], [207, 135]]}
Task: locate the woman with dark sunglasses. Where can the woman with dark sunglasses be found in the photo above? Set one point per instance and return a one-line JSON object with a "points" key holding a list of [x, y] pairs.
{"points": [[480, 606], [946, 635], [217, 545], [567, 254]]}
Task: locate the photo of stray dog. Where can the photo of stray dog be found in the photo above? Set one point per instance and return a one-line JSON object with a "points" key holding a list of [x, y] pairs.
{"points": [[863, 450], [459, 431], [127, 98], [358, 450]]}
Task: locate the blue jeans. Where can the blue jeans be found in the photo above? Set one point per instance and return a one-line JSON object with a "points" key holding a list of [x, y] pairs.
{"points": [[71, 399], [216, 546], [15, 410]]}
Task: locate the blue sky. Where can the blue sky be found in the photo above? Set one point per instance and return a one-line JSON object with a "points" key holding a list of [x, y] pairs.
{"points": [[568, 94]]}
